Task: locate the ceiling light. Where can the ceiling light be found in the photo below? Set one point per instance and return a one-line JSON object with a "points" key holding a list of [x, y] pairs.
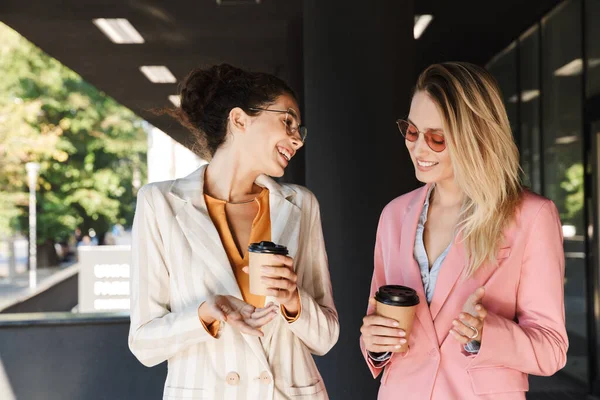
{"points": [[575, 67], [119, 30], [421, 23], [526, 95], [236, 2], [158, 74], [176, 100], [571, 69], [566, 140]]}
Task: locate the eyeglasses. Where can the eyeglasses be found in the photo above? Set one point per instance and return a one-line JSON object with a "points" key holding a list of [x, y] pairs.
{"points": [[291, 125], [434, 138]]}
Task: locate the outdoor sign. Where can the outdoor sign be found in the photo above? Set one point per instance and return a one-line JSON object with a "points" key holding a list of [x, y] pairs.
{"points": [[104, 278]]}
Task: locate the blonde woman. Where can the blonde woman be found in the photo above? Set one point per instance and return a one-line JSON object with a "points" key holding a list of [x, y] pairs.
{"points": [[484, 255], [191, 303]]}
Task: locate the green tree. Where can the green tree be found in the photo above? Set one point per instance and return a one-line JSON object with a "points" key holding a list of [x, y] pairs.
{"points": [[88, 145], [574, 195]]}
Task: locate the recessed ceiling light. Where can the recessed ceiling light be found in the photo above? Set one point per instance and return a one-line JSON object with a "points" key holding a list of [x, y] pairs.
{"points": [[236, 2], [158, 74], [575, 67], [175, 99], [119, 30], [572, 68], [421, 23], [566, 140], [526, 95]]}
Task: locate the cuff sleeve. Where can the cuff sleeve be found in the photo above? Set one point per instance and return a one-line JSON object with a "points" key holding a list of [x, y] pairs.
{"points": [[286, 314], [212, 329]]}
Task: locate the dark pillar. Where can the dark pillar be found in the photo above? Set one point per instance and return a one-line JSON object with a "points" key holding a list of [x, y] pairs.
{"points": [[294, 76], [358, 74]]}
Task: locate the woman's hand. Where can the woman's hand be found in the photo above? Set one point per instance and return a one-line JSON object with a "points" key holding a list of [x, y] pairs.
{"points": [[469, 325], [237, 313], [380, 334], [281, 283]]}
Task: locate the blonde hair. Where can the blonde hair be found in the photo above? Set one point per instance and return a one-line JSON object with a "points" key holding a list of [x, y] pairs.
{"points": [[483, 154]]}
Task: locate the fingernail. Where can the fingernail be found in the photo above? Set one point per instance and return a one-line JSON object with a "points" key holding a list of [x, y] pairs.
{"points": [[397, 346], [396, 324], [478, 307], [455, 322], [402, 333], [461, 316], [402, 341]]}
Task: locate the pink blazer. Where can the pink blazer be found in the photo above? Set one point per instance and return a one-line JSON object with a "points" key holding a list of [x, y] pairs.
{"points": [[524, 332]]}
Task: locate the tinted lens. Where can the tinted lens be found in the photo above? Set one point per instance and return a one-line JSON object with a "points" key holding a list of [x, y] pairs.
{"points": [[435, 140], [409, 131]]}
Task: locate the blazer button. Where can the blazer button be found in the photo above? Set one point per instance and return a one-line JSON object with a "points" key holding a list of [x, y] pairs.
{"points": [[233, 379], [265, 378]]}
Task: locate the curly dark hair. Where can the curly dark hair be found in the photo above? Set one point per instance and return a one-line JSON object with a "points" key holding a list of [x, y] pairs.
{"points": [[209, 95]]}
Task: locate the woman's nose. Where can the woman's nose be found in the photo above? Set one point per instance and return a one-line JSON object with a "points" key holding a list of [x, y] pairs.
{"points": [[421, 146], [296, 142]]}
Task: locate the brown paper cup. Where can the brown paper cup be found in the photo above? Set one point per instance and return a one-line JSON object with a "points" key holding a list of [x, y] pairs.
{"points": [[405, 316], [257, 260]]}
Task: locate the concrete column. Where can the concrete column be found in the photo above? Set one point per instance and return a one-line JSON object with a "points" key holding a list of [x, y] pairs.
{"points": [[358, 76]]}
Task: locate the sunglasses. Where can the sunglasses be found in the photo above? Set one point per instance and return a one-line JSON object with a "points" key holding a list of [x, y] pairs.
{"points": [[433, 137]]}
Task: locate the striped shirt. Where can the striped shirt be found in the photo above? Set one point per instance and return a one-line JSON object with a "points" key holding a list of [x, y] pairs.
{"points": [[428, 276]]}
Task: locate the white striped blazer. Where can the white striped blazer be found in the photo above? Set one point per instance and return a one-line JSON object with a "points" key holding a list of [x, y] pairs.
{"points": [[178, 261]]}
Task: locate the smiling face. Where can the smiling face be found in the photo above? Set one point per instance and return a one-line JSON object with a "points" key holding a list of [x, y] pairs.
{"points": [[430, 166], [267, 143]]}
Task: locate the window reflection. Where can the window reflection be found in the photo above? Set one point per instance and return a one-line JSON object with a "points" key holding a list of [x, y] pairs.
{"points": [[563, 173], [592, 12], [529, 108]]}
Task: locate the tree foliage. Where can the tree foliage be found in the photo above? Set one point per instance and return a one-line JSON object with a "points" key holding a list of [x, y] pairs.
{"points": [[90, 148]]}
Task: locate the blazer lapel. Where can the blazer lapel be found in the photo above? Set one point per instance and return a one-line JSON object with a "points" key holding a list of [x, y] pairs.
{"points": [[198, 228], [285, 215], [410, 268], [285, 228], [285, 219], [204, 238], [191, 220], [450, 272]]}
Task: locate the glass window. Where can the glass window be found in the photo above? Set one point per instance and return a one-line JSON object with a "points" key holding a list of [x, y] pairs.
{"points": [[529, 115], [504, 69], [592, 12], [563, 163]]}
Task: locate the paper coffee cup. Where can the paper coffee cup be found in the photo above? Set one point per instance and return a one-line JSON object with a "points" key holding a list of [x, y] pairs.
{"points": [[263, 253], [398, 303]]}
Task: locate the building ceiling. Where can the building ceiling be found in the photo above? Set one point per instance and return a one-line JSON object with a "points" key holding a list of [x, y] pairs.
{"points": [[184, 34], [475, 31]]}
